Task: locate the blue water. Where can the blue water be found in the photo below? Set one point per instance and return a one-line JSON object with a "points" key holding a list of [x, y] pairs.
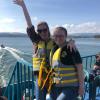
{"points": [[21, 43], [86, 46]]}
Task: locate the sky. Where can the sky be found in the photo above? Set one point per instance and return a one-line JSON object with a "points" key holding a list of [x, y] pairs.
{"points": [[77, 16]]}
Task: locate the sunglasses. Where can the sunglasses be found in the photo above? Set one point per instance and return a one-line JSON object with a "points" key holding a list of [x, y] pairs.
{"points": [[42, 30]]}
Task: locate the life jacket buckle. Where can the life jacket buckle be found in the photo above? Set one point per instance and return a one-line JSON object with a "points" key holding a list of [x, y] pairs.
{"points": [[57, 80]]}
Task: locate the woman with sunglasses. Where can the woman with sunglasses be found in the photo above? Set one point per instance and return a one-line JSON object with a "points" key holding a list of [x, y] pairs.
{"points": [[42, 44], [67, 70]]}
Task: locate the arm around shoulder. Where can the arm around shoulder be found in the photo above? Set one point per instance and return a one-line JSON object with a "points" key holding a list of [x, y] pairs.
{"points": [[71, 45]]}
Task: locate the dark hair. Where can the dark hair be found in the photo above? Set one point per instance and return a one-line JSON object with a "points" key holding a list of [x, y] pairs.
{"points": [[62, 28], [44, 23], [97, 55], [3, 98]]}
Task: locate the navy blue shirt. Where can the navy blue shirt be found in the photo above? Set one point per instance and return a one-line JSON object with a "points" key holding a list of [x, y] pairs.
{"points": [[67, 57]]}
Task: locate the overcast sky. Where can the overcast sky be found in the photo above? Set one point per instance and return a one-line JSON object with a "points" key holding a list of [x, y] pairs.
{"points": [[76, 15]]}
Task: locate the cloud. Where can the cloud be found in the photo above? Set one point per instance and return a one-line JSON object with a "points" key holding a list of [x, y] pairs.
{"points": [[12, 29], [87, 27], [9, 25], [7, 20], [35, 18], [18, 30]]}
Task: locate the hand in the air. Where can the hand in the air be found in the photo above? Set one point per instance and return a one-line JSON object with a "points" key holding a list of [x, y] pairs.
{"points": [[18, 2]]}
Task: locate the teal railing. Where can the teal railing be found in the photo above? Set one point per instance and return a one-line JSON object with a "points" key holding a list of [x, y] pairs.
{"points": [[21, 84], [88, 62]]}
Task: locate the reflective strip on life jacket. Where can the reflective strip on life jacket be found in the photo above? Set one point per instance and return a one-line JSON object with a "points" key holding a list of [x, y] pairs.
{"points": [[65, 75], [36, 63], [64, 68], [43, 51], [69, 81]]}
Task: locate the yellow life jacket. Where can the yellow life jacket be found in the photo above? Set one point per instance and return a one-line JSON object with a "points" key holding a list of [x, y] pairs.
{"points": [[41, 61], [43, 52], [64, 75]]}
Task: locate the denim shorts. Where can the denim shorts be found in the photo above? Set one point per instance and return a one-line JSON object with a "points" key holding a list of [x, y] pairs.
{"points": [[64, 93]]}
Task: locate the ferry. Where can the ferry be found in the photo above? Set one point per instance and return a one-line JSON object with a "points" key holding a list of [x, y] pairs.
{"points": [[21, 83]]}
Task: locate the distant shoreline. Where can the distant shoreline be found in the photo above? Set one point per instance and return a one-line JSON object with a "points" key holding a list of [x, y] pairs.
{"points": [[76, 35], [13, 34]]}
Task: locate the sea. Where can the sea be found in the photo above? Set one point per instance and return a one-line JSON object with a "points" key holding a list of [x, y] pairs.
{"points": [[86, 46]]}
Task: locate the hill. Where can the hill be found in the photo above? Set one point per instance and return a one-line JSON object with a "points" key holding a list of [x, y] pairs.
{"points": [[12, 34], [85, 35], [72, 35]]}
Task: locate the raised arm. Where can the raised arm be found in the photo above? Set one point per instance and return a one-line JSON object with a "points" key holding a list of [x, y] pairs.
{"points": [[26, 14]]}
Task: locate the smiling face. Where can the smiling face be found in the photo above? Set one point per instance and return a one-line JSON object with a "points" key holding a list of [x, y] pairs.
{"points": [[43, 31], [60, 35]]}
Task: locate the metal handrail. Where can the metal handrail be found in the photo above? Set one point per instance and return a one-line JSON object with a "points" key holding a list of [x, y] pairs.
{"points": [[21, 82], [22, 79]]}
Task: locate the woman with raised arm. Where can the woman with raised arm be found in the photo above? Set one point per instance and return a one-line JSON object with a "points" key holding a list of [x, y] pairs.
{"points": [[42, 46]]}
